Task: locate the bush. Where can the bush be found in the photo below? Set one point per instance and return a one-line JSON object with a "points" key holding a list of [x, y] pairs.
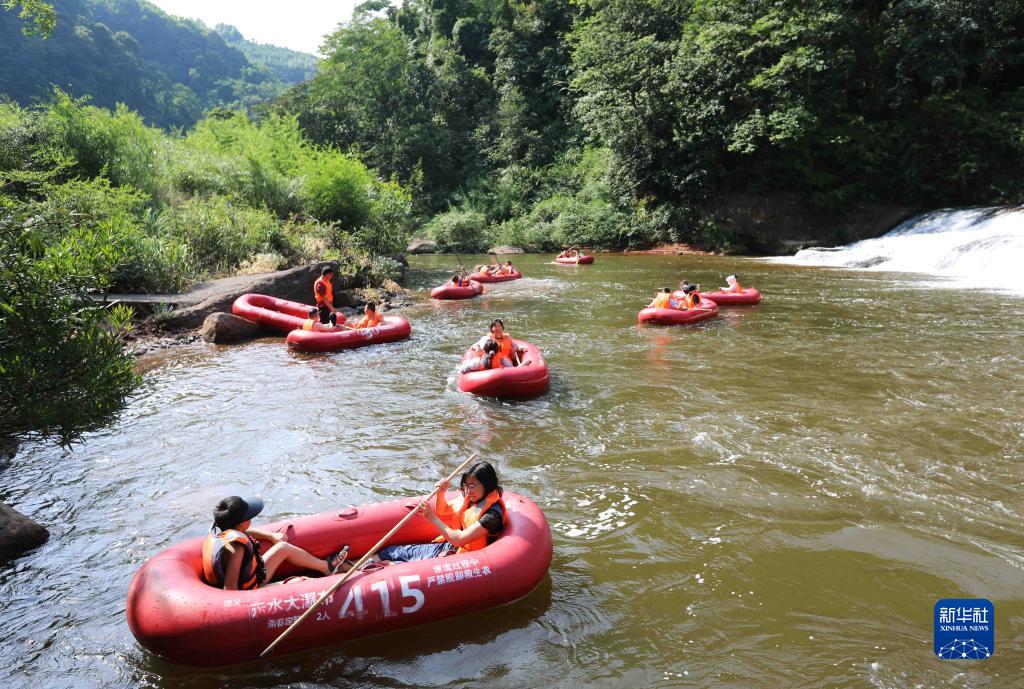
{"points": [[460, 231], [63, 369], [220, 235], [336, 189]]}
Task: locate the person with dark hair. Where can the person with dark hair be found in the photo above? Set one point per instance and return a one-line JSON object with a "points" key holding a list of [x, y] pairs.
{"points": [[506, 269], [323, 292], [506, 347], [692, 298], [311, 320], [231, 553], [370, 319], [470, 522], [490, 358], [662, 300]]}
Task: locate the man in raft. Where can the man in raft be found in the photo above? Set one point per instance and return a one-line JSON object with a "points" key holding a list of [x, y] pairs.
{"points": [[691, 300], [370, 319], [506, 269], [231, 552], [323, 292], [506, 348]]}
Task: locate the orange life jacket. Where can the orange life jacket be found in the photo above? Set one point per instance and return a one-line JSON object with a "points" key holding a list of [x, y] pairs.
{"points": [[504, 345], [323, 292], [250, 573], [308, 324], [735, 288], [692, 300], [467, 515], [661, 301], [370, 320]]}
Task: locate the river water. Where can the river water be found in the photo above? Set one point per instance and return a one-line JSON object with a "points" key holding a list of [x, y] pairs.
{"points": [[774, 498]]}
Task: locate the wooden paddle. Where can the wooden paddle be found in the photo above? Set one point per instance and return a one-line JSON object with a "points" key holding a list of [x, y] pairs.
{"points": [[355, 568]]}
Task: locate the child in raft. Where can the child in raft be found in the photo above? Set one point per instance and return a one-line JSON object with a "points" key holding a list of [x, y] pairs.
{"points": [[370, 319], [470, 522], [486, 361], [231, 553], [505, 346], [663, 300]]}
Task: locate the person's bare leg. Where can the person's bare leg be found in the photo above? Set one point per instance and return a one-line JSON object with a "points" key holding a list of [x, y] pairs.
{"points": [[280, 553]]}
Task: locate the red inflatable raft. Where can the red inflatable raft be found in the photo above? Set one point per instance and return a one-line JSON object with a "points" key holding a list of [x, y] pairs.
{"points": [[279, 314], [391, 329], [707, 309], [174, 614], [480, 277], [747, 297], [518, 382], [452, 291], [581, 261]]}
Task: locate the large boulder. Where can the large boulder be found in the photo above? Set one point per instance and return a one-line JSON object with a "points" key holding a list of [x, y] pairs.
{"points": [[18, 533], [221, 328], [422, 246], [294, 284], [504, 249]]}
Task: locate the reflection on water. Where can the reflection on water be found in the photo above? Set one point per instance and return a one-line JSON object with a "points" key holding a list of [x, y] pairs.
{"points": [[777, 496]]}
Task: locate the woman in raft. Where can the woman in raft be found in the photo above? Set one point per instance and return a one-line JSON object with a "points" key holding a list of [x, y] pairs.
{"points": [[231, 553], [470, 522], [505, 346]]}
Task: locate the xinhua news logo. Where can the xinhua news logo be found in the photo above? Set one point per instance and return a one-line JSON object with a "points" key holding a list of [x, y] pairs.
{"points": [[964, 628]]}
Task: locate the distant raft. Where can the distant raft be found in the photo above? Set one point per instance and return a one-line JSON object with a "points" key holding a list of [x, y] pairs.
{"points": [[452, 291], [391, 329], [746, 297], [519, 382], [173, 613], [569, 261], [279, 314], [480, 277], [705, 310]]}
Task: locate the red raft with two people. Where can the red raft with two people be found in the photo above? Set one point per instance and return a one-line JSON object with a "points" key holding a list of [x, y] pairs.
{"points": [[289, 317], [574, 259], [527, 380], [502, 274], [450, 290], [176, 615], [692, 308]]}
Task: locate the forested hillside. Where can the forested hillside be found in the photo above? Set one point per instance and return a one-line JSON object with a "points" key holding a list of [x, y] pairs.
{"points": [[171, 71], [615, 122], [287, 65]]}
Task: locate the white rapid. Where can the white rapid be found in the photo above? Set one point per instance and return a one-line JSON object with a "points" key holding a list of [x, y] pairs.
{"points": [[979, 248]]}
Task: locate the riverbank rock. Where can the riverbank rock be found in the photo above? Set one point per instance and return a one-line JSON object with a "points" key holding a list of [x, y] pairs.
{"points": [[8, 449], [504, 249], [221, 328], [294, 284], [18, 533], [421, 246]]}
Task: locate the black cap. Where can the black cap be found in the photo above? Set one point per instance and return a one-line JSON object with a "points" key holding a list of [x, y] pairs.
{"points": [[232, 511]]}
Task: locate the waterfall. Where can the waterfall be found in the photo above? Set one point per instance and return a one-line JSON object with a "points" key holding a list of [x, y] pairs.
{"points": [[978, 247]]}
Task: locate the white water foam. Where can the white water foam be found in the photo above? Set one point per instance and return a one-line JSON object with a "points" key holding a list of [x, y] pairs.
{"points": [[978, 248]]}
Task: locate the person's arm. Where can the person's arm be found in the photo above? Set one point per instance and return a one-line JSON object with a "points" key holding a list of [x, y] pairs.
{"points": [[275, 536], [457, 537], [234, 566]]}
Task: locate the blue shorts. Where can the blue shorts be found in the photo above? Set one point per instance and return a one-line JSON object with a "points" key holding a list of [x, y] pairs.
{"points": [[415, 551]]}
